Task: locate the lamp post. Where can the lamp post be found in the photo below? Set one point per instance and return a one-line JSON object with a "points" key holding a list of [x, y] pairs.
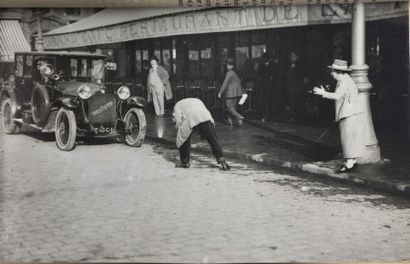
{"points": [[359, 74]]}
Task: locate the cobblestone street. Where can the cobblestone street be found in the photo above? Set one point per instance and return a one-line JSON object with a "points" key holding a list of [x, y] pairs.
{"points": [[106, 201]]}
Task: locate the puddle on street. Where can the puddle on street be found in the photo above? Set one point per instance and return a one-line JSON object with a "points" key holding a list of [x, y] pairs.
{"points": [[308, 184]]}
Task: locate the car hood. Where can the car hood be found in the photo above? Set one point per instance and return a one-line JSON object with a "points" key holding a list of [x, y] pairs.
{"points": [[70, 88]]}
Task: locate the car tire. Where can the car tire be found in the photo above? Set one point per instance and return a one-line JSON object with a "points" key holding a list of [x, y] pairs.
{"points": [[136, 124], [9, 125], [65, 129], [40, 105]]}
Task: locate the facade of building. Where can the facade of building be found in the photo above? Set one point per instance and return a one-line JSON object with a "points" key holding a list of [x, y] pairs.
{"points": [[193, 45], [19, 26]]}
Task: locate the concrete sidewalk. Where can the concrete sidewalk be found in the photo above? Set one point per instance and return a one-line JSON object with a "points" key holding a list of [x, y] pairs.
{"points": [[295, 147]]}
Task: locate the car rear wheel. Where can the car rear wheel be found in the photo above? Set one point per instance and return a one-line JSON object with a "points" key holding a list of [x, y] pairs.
{"points": [[136, 127], [9, 125], [40, 104], [65, 129]]}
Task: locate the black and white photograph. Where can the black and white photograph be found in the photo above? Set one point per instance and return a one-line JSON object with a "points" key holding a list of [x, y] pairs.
{"points": [[203, 133]]}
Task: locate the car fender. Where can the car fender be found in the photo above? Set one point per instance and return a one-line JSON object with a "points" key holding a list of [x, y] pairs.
{"points": [[16, 105], [136, 100], [132, 102], [69, 102]]}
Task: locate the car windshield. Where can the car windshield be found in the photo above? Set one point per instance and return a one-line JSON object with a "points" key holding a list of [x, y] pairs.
{"points": [[80, 68]]}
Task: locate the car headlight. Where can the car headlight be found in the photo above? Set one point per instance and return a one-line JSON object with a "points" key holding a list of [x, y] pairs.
{"points": [[124, 93], [84, 92]]}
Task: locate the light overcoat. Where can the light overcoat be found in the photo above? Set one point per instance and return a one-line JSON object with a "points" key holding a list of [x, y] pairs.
{"points": [[349, 114], [346, 98], [164, 76], [187, 114]]}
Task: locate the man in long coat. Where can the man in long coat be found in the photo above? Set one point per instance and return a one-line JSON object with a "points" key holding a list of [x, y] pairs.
{"points": [[157, 85]]}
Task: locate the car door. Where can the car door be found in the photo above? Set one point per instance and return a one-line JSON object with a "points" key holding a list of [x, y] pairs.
{"points": [[23, 77]]}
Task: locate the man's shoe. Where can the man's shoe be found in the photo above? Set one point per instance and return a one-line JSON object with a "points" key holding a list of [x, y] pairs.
{"points": [[225, 166], [182, 165]]}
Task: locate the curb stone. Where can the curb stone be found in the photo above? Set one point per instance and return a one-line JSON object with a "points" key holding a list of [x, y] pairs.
{"points": [[311, 168]]}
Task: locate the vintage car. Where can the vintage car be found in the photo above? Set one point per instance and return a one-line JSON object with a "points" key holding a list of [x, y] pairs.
{"points": [[64, 93]]}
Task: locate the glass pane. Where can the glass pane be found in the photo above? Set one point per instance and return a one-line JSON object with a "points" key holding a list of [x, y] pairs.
{"points": [[222, 54], [174, 56], [138, 61], [19, 66], [157, 50], [97, 72], [207, 65], [193, 56], [242, 59], [29, 66], [166, 59], [257, 51], [83, 70], [74, 67]]}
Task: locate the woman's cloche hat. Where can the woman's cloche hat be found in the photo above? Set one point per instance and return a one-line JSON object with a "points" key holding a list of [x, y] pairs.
{"points": [[339, 65]]}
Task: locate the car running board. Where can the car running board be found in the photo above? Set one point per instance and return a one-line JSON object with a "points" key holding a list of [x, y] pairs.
{"points": [[48, 128]]}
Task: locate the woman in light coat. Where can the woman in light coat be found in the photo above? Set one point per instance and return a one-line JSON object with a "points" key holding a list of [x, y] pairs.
{"points": [[158, 85], [348, 112]]}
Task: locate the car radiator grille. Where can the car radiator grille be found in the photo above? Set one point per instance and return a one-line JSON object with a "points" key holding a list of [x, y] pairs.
{"points": [[102, 108]]}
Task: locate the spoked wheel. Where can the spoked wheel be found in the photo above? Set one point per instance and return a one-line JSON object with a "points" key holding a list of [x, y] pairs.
{"points": [[40, 103], [136, 127], [65, 129], [9, 125]]}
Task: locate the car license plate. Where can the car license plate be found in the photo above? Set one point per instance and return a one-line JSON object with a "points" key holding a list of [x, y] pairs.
{"points": [[104, 130]]}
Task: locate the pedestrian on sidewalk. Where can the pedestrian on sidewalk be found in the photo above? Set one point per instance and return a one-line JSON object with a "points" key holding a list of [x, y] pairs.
{"points": [[157, 85], [295, 87], [264, 86], [190, 115], [348, 112], [232, 91]]}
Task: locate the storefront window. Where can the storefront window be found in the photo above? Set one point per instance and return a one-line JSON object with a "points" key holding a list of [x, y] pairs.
{"points": [[258, 49], [223, 54], [243, 60], [193, 57], [157, 50], [166, 59], [122, 61], [207, 62], [83, 68], [138, 61], [97, 71], [74, 67], [145, 56], [174, 56]]}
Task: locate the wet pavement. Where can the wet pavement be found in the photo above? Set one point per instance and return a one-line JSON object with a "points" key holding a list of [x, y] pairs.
{"points": [[108, 202], [301, 148]]}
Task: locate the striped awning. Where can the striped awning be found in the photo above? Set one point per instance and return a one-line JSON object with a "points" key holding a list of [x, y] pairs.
{"points": [[11, 40]]}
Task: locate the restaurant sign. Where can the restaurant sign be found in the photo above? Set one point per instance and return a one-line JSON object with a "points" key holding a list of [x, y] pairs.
{"points": [[214, 20]]}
